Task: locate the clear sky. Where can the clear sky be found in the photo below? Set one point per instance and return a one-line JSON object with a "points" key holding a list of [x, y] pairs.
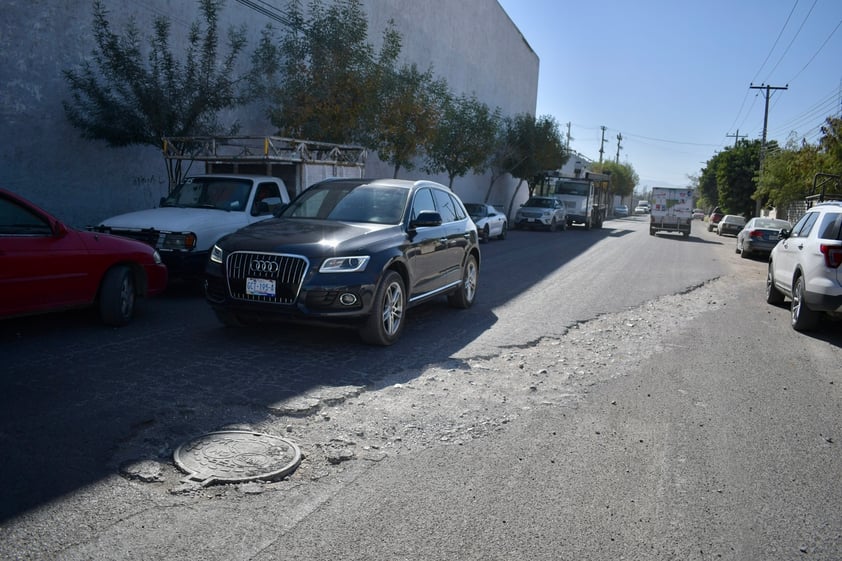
{"points": [[673, 77]]}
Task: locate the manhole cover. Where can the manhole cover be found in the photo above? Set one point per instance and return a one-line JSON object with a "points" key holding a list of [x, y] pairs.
{"points": [[236, 456]]}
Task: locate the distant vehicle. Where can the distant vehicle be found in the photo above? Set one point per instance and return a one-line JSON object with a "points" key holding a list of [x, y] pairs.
{"points": [[352, 252], [806, 266], [730, 224], [47, 266], [698, 214], [672, 211], [760, 236], [621, 211], [586, 199], [490, 221], [715, 216], [642, 207], [542, 212], [196, 214]]}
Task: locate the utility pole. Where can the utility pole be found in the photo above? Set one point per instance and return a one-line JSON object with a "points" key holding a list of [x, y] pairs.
{"points": [[768, 89], [619, 138], [568, 136], [737, 137], [602, 144]]}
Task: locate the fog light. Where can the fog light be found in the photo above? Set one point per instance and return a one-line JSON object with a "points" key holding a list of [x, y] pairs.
{"points": [[348, 299]]}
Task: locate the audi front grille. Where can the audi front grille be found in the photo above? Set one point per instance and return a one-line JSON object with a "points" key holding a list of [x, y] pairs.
{"points": [[286, 270]]}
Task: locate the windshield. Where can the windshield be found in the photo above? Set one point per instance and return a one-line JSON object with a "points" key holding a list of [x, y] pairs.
{"points": [[350, 202], [211, 192], [773, 224], [579, 188], [540, 203]]}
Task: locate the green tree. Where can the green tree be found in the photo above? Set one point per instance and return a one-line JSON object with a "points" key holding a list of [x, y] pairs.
{"points": [[505, 155], [623, 177], [411, 104], [463, 138], [538, 148], [321, 78], [125, 97]]}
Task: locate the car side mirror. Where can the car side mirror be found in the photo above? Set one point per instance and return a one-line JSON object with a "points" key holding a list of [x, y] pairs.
{"points": [[784, 234], [426, 219]]}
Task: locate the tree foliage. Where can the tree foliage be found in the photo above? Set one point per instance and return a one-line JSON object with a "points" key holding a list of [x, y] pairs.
{"points": [[321, 77], [623, 177], [130, 94], [410, 108], [463, 138], [537, 147]]}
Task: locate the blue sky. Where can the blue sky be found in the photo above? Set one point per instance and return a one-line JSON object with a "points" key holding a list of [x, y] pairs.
{"points": [[673, 76]]}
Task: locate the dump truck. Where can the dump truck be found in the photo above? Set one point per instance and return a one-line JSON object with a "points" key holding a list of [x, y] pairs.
{"points": [[672, 210]]}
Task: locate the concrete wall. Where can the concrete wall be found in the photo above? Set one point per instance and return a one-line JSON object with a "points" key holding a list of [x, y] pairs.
{"points": [[471, 43]]}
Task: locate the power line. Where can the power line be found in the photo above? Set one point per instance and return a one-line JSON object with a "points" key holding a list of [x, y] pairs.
{"points": [[797, 33], [775, 44], [267, 10]]}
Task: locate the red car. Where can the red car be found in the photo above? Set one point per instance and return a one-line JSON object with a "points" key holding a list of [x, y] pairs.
{"points": [[47, 266]]}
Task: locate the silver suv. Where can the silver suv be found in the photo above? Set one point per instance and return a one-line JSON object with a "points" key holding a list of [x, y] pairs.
{"points": [[805, 266]]}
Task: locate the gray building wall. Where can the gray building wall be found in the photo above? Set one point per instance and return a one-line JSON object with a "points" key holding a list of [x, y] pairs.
{"points": [[471, 43]]}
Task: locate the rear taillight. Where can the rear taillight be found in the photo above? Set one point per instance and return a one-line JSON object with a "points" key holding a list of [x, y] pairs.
{"points": [[832, 255], [755, 234]]}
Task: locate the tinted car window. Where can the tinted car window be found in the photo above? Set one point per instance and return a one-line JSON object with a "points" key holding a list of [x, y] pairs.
{"points": [[423, 201], [830, 226], [15, 219], [446, 206], [458, 208]]}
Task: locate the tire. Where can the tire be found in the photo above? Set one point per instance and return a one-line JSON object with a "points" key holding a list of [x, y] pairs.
{"points": [[803, 318], [651, 231], [710, 228], [553, 226], [465, 295], [486, 234], [228, 319], [773, 295], [117, 296], [503, 232], [385, 324]]}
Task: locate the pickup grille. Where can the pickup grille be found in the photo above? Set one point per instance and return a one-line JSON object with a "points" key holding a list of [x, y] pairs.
{"points": [[286, 270], [148, 236]]}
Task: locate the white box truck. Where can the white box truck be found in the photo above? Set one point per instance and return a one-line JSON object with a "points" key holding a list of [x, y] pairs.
{"points": [[672, 210]]}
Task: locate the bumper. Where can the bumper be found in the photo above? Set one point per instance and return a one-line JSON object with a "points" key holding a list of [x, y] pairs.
{"points": [[824, 302], [315, 302], [759, 246], [527, 222], [730, 231], [185, 264], [157, 277]]}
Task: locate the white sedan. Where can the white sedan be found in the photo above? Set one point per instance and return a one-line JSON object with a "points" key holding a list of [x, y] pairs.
{"points": [[490, 221]]}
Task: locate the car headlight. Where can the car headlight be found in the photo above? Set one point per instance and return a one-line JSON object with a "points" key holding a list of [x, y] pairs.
{"points": [[216, 254], [183, 241], [353, 264]]}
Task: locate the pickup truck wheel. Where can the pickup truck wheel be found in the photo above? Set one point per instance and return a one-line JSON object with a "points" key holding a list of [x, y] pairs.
{"points": [[464, 296], [385, 324], [117, 296], [803, 318]]}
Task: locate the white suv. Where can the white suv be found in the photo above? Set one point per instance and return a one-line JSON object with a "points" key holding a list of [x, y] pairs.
{"points": [[805, 266]]}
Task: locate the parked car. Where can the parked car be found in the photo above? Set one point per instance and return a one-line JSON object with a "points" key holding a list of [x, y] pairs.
{"points": [[698, 214], [730, 224], [542, 212], [48, 266], [353, 252], [642, 207], [621, 211], [199, 211], [490, 221], [760, 235], [715, 216], [806, 266]]}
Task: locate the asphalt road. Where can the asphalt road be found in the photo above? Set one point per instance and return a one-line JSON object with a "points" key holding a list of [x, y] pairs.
{"points": [[611, 395]]}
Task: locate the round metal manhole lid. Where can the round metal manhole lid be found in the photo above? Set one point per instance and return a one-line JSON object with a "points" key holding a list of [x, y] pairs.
{"points": [[235, 456]]}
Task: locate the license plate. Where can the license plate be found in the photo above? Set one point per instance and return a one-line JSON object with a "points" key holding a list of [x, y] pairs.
{"points": [[260, 287], [531, 219]]}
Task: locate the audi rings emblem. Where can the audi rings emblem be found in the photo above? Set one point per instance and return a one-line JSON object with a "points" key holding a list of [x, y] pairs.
{"points": [[264, 266]]}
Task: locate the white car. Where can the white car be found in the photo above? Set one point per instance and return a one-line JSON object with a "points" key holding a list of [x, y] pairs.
{"points": [[542, 212], [491, 223], [806, 266]]}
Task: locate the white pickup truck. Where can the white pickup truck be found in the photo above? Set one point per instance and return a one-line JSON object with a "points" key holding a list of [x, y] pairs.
{"points": [[198, 212]]}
